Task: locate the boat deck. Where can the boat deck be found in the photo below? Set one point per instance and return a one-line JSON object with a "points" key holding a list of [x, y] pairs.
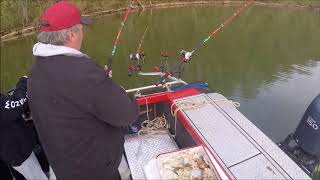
{"points": [[240, 146]]}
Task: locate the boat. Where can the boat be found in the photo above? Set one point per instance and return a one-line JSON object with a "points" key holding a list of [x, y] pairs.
{"points": [[192, 116], [178, 119]]}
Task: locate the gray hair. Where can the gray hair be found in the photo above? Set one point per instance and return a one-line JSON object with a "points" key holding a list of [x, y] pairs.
{"points": [[59, 37]]}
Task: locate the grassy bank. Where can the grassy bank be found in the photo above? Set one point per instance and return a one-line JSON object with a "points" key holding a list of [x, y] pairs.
{"points": [[19, 14]]}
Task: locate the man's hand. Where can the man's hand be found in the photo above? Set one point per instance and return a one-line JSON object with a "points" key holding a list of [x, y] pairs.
{"points": [[110, 72]]}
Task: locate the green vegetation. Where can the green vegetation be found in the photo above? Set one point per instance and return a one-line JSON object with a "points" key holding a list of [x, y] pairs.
{"points": [[18, 14]]}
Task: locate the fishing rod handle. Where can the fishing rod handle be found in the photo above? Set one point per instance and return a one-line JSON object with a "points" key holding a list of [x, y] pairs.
{"points": [[109, 65]]}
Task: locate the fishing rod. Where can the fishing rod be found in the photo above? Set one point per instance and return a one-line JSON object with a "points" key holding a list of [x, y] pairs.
{"points": [[186, 55], [116, 41], [137, 57]]}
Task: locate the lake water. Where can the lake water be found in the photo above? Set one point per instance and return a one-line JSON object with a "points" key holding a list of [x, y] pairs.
{"points": [[268, 58]]}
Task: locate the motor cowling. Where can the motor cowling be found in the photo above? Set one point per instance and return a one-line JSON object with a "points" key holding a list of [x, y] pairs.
{"points": [[307, 134]]}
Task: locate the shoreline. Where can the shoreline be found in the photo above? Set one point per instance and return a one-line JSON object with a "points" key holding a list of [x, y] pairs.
{"points": [[33, 29]]}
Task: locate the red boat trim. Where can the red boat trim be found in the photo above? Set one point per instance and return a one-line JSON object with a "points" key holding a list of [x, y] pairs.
{"points": [[155, 98], [183, 93], [166, 96]]}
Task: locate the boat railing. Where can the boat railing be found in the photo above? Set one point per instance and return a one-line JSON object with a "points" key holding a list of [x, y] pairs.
{"points": [[167, 85]]}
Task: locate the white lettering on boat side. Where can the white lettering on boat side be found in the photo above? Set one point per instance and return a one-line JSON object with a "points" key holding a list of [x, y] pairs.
{"points": [[312, 123]]}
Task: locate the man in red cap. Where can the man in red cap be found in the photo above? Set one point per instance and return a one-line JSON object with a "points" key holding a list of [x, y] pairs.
{"points": [[77, 109]]}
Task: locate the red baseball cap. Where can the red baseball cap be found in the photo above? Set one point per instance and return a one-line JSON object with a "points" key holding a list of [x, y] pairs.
{"points": [[62, 15]]}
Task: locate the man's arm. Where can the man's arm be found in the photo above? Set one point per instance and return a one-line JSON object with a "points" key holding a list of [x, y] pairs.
{"points": [[112, 104]]}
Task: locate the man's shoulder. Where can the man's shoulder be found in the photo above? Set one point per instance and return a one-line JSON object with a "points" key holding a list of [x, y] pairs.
{"points": [[78, 66], [76, 58], [82, 57], [66, 61], [88, 68]]}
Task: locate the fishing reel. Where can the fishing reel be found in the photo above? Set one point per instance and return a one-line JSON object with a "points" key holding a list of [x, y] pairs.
{"points": [[178, 69], [185, 56], [136, 61], [163, 63]]}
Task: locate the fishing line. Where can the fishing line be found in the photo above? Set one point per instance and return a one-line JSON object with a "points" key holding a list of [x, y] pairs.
{"points": [[222, 25], [185, 55], [141, 41]]}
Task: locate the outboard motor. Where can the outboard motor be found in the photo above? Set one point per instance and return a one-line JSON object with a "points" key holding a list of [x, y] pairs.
{"points": [[303, 146], [307, 134]]}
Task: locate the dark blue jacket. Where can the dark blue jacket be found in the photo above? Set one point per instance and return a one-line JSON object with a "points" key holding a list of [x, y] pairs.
{"points": [[17, 138], [79, 113]]}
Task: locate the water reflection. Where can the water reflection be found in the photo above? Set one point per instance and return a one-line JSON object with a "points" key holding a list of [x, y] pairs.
{"points": [[279, 105], [262, 59]]}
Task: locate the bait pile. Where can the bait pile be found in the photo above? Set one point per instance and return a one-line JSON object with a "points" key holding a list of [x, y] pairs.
{"points": [[190, 163]]}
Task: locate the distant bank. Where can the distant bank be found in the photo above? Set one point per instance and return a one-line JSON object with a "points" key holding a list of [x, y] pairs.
{"points": [[20, 18]]}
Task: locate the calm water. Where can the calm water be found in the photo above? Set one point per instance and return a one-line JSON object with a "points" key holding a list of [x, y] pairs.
{"points": [[268, 59]]}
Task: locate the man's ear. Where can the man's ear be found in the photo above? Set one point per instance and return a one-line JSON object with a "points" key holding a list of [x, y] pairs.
{"points": [[70, 37]]}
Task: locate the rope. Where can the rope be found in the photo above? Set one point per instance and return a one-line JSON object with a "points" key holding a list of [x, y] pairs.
{"points": [[158, 125], [195, 105], [147, 106]]}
